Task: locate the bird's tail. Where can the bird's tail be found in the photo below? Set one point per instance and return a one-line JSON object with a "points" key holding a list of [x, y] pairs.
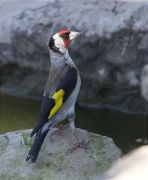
{"points": [[34, 151]]}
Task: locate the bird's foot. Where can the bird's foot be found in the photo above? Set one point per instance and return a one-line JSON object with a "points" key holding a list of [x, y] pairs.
{"points": [[83, 144], [60, 128]]}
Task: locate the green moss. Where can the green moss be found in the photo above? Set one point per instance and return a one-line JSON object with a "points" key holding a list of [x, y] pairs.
{"points": [[14, 176], [28, 141], [59, 166], [4, 141], [98, 141], [99, 156], [61, 161]]}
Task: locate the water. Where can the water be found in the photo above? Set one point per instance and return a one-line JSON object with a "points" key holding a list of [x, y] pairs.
{"points": [[20, 113]]}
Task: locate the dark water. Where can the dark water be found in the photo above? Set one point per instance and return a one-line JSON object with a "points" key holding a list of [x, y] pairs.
{"points": [[20, 113]]}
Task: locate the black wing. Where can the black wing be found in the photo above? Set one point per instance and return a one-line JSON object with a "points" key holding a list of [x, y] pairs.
{"points": [[51, 105]]}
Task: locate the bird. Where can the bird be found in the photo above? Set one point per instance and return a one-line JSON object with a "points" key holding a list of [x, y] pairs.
{"points": [[60, 93]]}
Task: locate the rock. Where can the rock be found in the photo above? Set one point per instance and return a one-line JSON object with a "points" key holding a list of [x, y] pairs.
{"points": [[53, 163], [133, 165], [109, 54], [144, 82]]}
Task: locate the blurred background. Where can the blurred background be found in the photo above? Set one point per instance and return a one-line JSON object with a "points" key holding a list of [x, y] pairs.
{"points": [[110, 56]]}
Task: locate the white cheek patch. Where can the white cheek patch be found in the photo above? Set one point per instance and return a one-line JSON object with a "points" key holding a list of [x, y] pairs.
{"points": [[56, 36], [58, 41]]}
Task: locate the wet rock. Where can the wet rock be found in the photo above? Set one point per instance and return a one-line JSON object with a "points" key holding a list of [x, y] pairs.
{"points": [[110, 54], [53, 163]]}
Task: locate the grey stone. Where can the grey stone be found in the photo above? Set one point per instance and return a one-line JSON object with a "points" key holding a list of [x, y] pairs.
{"points": [[133, 165], [53, 163], [144, 82], [110, 54]]}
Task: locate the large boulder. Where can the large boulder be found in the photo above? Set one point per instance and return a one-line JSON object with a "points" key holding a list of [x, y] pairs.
{"points": [[53, 163], [144, 82], [133, 165], [110, 54]]}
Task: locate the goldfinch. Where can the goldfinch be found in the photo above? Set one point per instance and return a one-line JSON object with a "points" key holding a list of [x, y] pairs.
{"points": [[60, 92]]}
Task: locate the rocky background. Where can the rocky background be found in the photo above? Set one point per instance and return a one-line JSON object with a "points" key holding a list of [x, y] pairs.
{"points": [[110, 54]]}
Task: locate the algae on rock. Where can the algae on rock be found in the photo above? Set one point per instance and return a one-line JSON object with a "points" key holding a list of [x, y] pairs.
{"points": [[52, 162]]}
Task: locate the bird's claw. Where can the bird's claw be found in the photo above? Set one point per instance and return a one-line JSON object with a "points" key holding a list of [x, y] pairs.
{"points": [[83, 144]]}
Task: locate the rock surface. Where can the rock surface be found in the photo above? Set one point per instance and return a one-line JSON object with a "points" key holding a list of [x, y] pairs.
{"points": [[109, 55], [144, 82], [133, 166], [52, 163]]}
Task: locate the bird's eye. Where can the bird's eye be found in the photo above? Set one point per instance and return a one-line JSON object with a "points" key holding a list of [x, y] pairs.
{"points": [[65, 36]]}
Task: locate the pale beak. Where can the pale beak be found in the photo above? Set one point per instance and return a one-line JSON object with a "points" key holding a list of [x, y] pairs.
{"points": [[74, 34]]}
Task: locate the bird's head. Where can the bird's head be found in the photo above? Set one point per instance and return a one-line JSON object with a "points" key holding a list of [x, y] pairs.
{"points": [[60, 41]]}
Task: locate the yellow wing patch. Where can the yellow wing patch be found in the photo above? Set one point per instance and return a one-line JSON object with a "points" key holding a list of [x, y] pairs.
{"points": [[58, 97]]}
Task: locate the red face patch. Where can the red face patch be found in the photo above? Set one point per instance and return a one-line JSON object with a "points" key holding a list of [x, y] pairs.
{"points": [[66, 42], [64, 34]]}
